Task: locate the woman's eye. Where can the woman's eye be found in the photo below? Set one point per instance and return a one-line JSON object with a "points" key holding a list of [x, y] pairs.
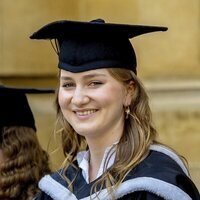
{"points": [[68, 85], [95, 83]]}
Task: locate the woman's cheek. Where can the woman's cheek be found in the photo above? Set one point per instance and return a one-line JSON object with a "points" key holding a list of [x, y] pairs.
{"points": [[63, 99], [60, 99]]}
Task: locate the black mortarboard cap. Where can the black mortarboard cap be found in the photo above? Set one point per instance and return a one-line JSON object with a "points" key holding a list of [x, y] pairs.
{"points": [[14, 106], [92, 45]]}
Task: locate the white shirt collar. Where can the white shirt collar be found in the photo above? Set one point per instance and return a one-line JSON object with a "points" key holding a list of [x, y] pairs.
{"points": [[83, 161]]}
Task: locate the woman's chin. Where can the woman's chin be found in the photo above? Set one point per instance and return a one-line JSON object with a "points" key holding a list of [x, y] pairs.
{"points": [[85, 131]]}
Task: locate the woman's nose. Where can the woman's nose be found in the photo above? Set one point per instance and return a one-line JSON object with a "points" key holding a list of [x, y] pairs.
{"points": [[79, 97]]}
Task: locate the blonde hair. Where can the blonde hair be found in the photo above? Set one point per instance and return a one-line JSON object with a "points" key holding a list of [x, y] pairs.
{"points": [[25, 163]]}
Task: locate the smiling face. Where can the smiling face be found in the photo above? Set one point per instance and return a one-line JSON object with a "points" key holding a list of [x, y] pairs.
{"points": [[92, 102]]}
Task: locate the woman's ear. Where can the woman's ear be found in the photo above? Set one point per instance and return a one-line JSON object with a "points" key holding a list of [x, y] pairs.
{"points": [[129, 93]]}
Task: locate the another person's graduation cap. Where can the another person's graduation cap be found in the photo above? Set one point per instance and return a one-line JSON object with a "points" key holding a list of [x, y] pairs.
{"points": [[83, 46], [14, 106]]}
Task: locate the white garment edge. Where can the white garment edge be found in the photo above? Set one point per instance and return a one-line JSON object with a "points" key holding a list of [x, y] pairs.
{"points": [[161, 188], [83, 161], [155, 186], [171, 154], [54, 189]]}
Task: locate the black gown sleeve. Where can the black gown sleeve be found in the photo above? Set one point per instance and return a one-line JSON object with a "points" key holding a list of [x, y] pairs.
{"points": [[187, 185], [141, 196]]}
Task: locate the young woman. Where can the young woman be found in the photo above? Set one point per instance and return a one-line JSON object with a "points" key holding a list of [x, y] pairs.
{"points": [[108, 137], [22, 160]]}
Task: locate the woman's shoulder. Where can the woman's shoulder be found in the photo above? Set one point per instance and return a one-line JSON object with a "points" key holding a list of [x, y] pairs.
{"points": [[167, 158], [50, 184], [163, 173], [55, 186], [162, 160]]}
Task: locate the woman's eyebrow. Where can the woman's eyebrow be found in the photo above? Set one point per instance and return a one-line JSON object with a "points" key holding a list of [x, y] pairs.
{"points": [[65, 78], [93, 76], [87, 76]]}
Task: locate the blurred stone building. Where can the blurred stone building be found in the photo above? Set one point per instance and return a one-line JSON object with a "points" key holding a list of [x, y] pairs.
{"points": [[168, 63]]}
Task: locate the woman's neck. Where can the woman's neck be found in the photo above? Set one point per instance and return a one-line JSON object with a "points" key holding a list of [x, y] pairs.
{"points": [[95, 163], [97, 151]]}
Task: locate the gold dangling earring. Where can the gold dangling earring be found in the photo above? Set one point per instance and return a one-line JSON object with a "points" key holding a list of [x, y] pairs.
{"points": [[127, 111]]}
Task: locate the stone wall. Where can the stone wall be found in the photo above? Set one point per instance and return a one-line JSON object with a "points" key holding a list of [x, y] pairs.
{"points": [[176, 113]]}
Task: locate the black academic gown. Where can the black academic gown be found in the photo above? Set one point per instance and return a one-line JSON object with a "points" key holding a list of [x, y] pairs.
{"points": [[161, 175]]}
